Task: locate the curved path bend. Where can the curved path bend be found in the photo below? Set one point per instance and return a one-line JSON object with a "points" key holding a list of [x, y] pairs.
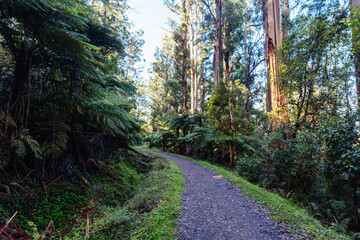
{"points": [[213, 209]]}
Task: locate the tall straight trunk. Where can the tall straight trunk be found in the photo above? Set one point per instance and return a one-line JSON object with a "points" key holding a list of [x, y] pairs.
{"points": [[275, 99], [192, 60], [218, 54], [227, 63], [247, 83], [196, 85], [184, 73], [248, 79], [202, 87], [355, 4], [184, 57], [192, 22], [202, 50]]}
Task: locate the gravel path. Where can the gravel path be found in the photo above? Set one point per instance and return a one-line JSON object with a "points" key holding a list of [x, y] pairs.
{"points": [[214, 209]]}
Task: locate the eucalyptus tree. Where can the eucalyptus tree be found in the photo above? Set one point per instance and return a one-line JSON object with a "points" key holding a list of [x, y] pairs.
{"points": [[218, 46], [275, 98], [181, 37]]}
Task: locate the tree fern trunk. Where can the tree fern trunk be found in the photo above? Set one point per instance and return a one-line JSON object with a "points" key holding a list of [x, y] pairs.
{"points": [[16, 103]]}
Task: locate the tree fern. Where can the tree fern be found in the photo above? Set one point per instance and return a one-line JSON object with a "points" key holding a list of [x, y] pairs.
{"points": [[71, 89], [58, 137], [109, 114], [24, 144]]}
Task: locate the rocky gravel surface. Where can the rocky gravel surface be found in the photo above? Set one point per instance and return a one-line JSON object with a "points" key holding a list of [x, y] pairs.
{"points": [[213, 209]]}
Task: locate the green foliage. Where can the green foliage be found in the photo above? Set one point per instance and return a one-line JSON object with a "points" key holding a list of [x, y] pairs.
{"points": [[251, 169], [154, 139], [63, 91], [110, 115], [58, 137], [59, 203], [342, 145], [117, 181], [66, 202], [314, 71]]}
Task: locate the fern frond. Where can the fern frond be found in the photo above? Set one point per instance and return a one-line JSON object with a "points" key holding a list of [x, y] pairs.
{"points": [[34, 146], [109, 115], [58, 140], [18, 146]]}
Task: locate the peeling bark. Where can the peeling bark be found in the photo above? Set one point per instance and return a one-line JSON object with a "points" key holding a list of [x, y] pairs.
{"points": [[275, 99]]}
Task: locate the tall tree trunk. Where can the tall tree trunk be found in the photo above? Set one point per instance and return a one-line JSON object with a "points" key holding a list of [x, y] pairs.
{"points": [[183, 64], [184, 75], [192, 21], [218, 54], [196, 85], [192, 60], [202, 87], [16, 103], [247, 83], [227, 63], [275, 100], [355, 4]]}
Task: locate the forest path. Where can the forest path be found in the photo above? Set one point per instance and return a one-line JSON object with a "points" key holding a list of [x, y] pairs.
{"points": [[213, 209]]}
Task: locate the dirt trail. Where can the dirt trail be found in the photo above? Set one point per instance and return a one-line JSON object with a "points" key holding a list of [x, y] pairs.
{"points": [[214, 209]]}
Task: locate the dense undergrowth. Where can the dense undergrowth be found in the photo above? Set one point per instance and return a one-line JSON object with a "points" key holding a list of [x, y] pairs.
{"points": [[151, 213], [127, 197]]}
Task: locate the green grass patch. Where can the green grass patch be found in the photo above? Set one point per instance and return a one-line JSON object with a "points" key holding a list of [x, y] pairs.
{"points": [[298, 220], [153, 210]]}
